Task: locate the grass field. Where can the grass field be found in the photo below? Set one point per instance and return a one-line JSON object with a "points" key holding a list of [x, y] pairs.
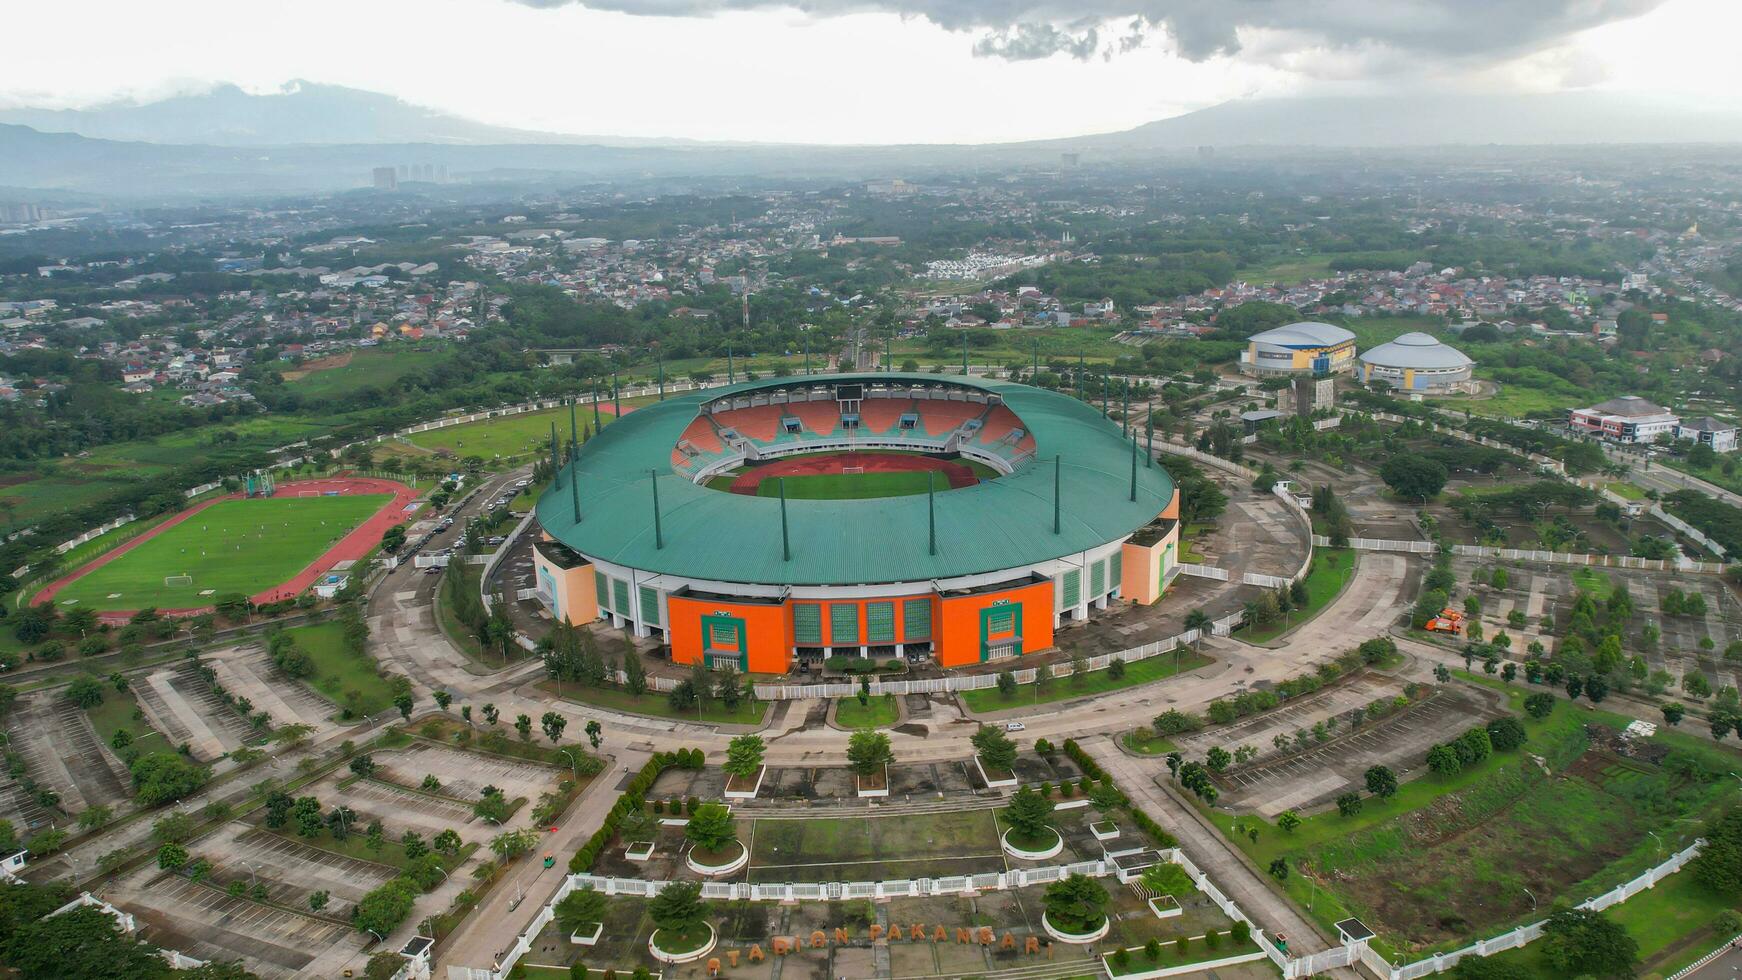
{"points": [[1626, 491], [1598, 584], [232, 546], [1287, 270], [847, 486], [378, 368], [1095, 682], [514, 435], [1449, 857], [879, 712], [872, 848], [1332, 569], [117, 712], [350, 681]]}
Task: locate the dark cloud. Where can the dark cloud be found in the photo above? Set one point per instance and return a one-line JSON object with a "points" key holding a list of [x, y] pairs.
{"points": [[1439, 30]]}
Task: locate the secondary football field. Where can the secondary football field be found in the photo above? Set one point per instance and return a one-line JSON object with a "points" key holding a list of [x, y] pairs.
{"points": [[244, 546], [848, 486]]}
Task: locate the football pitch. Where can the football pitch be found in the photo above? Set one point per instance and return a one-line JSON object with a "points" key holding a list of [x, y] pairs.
{"points": [[848, 486], [244, 546]]}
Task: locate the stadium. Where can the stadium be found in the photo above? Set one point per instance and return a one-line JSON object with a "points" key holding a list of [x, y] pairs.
{"points": [[786, 520]]}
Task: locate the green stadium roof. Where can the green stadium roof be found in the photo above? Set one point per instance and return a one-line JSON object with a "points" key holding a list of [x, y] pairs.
{"points": [[995, 525]]}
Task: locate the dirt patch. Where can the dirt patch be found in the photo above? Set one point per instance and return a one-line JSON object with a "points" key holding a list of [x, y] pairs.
{"points": [[318, 364]]}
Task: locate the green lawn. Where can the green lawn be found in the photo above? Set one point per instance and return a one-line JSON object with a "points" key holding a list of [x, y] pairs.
{"points": [[794, 846], [1731, 481], [356, 844], [1150, 744], [1095, 682], [117, 712], [849, 486], [377, 368], [1626, 491], [350, 681], [520, 434], [1598, 584], [876, 712], [242, 546], [1287, 270], [1449, 857], [655, 704], [1332, 569], [1672, 924]]}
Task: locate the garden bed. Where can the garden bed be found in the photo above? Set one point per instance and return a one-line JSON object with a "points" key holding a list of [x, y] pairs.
{"points": [[874, 785], [1038, 848]]}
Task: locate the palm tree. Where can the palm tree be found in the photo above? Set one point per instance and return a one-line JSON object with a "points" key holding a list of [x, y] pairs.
{"points": [[1198, 620]]}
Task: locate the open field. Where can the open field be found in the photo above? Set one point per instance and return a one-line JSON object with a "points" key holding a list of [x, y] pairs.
{"points": [[241, 546], [376, 368], [1449, 857], [348, 680], [867, 848], [519, 434]]}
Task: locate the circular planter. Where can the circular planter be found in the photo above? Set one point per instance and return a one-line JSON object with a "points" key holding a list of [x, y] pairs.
{"points": [[1058, 844], [715, 870], [691, 956], [1076, 939]]}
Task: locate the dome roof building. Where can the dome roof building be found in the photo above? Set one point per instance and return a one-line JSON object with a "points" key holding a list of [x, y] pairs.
{"points": [[1304, 348], [1417, 362]]}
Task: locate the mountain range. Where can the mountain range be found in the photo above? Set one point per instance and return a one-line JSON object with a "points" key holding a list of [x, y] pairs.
{"points": [[309, 137]]}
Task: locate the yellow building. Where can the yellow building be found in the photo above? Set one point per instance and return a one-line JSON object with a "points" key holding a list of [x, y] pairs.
{"points": [[1307, 348]]}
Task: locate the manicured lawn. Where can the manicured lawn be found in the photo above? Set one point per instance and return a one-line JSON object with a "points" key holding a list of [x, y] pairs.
{"points": [[848, 486], [1626, 491], [876, 712], [791, 845], [1095, 682], [655, 704], [244, 546], [1197, 952], [1451, 857], [1332, 569], [349, 680], [1150, 744]]}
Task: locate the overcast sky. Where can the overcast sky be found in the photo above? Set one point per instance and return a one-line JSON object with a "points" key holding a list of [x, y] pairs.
{"points": [[863, 71]]}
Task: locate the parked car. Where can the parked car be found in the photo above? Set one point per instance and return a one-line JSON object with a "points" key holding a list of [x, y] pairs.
{"points": [[1014, 726]]}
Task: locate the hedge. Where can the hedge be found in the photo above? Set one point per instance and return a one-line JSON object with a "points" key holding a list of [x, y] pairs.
{"points": [[631, 799], [1144, 821]]}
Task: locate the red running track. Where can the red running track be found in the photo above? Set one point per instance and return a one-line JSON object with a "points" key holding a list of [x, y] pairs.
{"points": [[958, 474], [350, 548]]}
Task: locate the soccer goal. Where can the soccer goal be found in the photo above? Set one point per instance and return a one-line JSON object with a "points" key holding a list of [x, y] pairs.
{"points": [[177, 581], [308, 493], [852, 470]]}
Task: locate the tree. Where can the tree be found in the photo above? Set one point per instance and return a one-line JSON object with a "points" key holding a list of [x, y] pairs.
{"points": [[1673, 712], [84, 943], [1414, 476], [403, 701], [306, 814], [710, 827], [363, 765], [443, 699], [1076, 904], [868, 751], [1718, 866], [1279, 869], [1539, 705], [553, 725], [1030, 817], [492, 805], [160, 777], [595, 733], [996, 749], [1349, 804], [1288, 820], [523, 727], [1483, 968], [1217, 759], [677, 909], [1006, 684], [580, 910], [491, 715], [1443, 759], [1506, 733], [448, 842], [1381, 782], [1582, 942], [1175, 722], [85, 691], [412, 842], [318, 900], [744, 756], [382, 910], [172, 857]]}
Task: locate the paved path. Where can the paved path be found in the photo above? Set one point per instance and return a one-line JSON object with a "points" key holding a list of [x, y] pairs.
{"points": [[1227, 867]]}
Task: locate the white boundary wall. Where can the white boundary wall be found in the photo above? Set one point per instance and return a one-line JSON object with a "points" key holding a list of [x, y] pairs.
{"points": [[1524, 555]]}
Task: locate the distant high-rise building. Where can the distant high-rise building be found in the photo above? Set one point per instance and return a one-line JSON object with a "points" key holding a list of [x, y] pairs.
{"points": [[1069, 159], [386, 179]]}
